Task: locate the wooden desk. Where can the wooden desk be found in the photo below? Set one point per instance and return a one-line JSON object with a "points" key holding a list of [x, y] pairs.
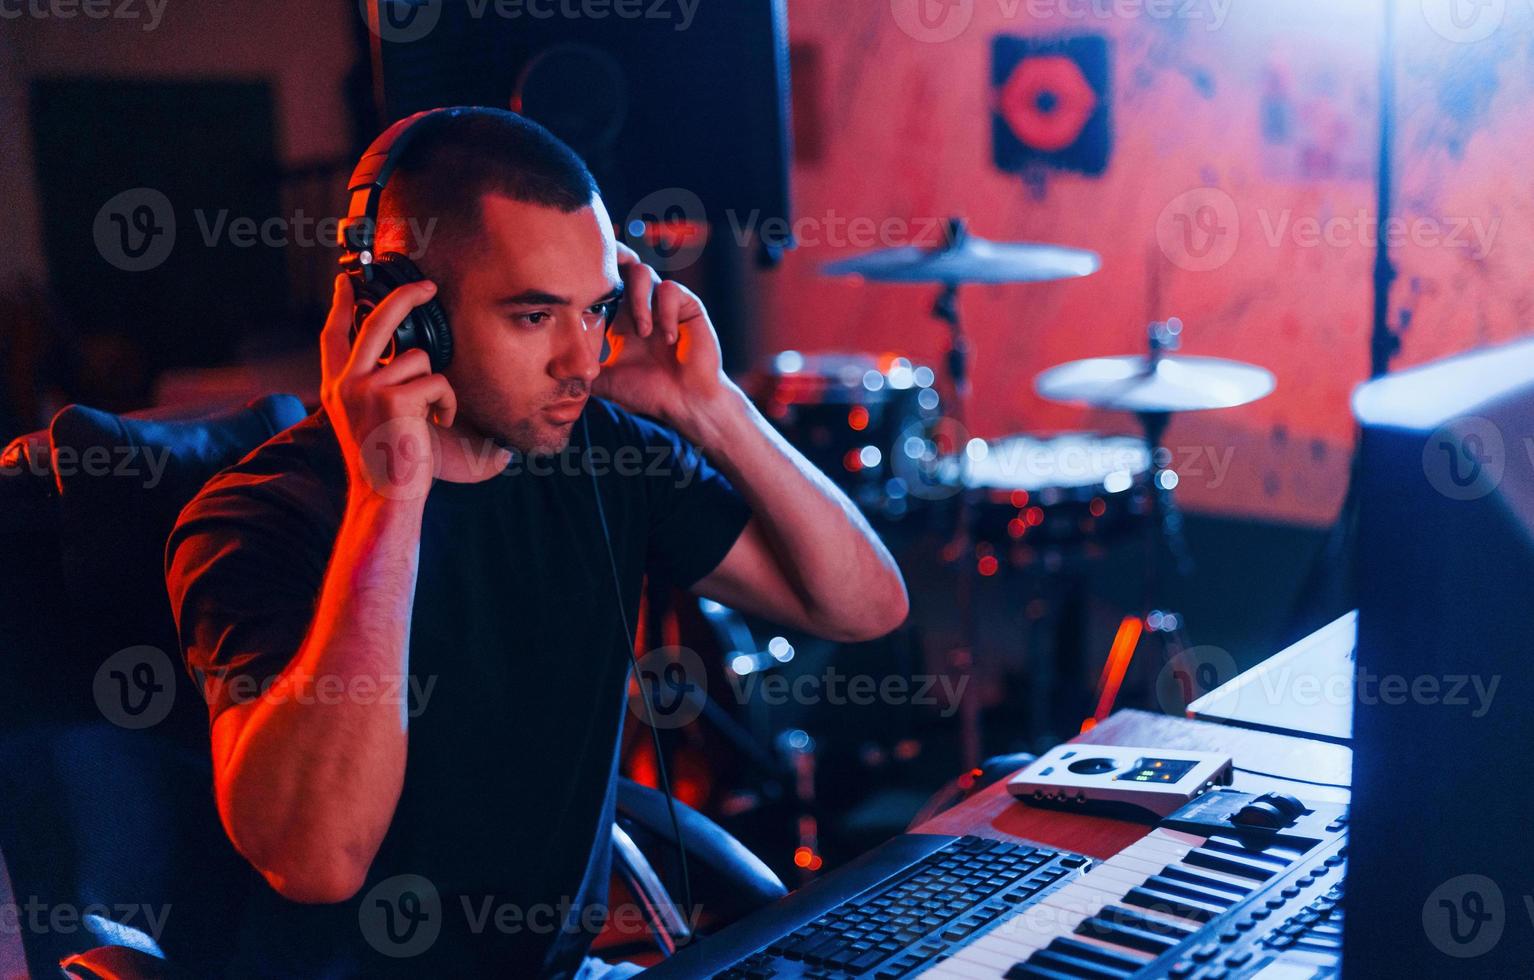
{"points": [[994, 813]]}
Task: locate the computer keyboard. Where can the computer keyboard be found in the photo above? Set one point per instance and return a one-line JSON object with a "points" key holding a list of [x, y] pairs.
{"points": [[917, 909]]}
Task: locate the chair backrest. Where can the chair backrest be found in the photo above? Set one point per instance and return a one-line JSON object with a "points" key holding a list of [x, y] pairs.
{"points": [[105, 797]]}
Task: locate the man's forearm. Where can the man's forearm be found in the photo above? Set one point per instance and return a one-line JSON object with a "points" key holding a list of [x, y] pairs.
{"points": [[841, 573], [307, 786]]}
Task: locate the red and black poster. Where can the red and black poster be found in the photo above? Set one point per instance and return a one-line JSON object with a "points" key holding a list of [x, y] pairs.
{"points": [[1050, 103]]}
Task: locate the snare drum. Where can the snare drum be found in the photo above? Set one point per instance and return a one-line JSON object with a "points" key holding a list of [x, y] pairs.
{"points": [[845, 412], [1026, 492]]}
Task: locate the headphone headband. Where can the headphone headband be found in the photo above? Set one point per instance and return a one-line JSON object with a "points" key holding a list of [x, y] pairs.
{"points": [[366, 186]]}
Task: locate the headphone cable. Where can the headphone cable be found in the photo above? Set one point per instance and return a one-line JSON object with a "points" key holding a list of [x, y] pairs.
{"points": [[628, 632]]}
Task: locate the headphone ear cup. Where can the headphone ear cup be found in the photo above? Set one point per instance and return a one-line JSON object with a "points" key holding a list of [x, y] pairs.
{"points": [[424, 327]]}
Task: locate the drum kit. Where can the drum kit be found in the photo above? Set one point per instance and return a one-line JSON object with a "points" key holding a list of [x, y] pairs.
{"points": [[879, 427]]}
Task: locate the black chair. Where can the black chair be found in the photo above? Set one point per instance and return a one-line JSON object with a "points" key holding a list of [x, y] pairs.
{"points": [[112, 818]]}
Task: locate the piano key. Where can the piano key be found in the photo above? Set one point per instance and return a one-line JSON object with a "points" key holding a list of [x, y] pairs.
{"points": [[1102, 871], [1038, 926], [1116, 893], [1207, 895], [952, 969], [1236, 848], [1232, 864], [1178, 836], [1026, 971], [1185, 908], [1073, 967], [1149, 921], [1209, 878], [1130, 862], [981, 955], [1088, 949], [1153, 845], [1124, 935]]}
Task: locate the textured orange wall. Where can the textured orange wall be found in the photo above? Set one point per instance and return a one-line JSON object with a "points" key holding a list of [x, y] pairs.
{"points": [[1281, 279]]}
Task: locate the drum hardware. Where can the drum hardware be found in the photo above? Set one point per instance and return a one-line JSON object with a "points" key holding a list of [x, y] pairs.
{"points": [[849, 413], [961, 258], [1154, 387]]}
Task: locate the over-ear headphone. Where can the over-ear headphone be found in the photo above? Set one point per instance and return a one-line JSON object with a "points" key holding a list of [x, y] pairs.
{"points": [[374, 276]]}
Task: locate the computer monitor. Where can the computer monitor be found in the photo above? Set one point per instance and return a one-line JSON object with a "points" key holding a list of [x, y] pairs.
{"points": [[1441, 861]]}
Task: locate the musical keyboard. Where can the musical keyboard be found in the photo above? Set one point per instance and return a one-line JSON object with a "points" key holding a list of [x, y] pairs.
{"points": [[1199, 897], [1174, 904]]}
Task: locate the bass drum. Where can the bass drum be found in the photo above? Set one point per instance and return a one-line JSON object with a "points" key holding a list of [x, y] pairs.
{"points": [[1074, 491], [845, 413]]}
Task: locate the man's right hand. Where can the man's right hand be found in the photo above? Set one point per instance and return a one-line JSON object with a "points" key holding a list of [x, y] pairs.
{"points": [[383, 415]]}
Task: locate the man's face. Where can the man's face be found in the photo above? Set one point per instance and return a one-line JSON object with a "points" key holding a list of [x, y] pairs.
{"points": [[527, 300]]}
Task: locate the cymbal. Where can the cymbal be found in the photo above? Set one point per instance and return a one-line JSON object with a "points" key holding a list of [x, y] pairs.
{"points": [[1167, 384], [966, 258]]}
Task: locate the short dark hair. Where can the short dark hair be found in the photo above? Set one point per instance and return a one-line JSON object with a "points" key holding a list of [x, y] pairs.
{"points": [[459, 155]]}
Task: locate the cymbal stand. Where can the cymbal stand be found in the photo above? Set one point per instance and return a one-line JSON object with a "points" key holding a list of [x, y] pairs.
{"points": [[945, 308], [1156, 622]]}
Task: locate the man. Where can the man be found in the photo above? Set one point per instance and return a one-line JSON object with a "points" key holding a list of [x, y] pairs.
{"points": [[425, 532]]}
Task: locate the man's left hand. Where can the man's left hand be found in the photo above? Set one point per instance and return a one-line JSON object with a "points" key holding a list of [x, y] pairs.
{"points": [[665, 359]]}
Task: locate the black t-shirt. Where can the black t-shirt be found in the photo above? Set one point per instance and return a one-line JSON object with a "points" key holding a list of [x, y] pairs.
{"points": [[517, 682]]}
